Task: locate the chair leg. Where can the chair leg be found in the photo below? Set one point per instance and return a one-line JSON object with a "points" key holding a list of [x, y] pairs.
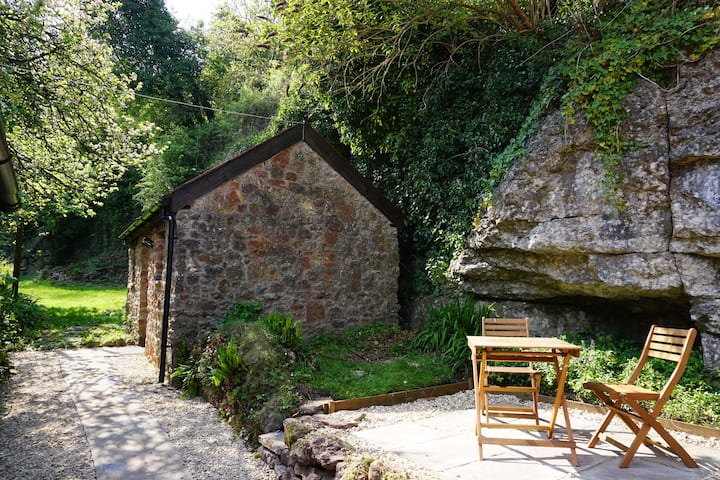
{"points": [[601, 429], [651, 422], [632, 449], [536, 394]]}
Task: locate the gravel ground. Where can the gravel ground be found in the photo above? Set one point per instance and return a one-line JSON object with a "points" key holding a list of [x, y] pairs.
{"points": [[41, 436]]}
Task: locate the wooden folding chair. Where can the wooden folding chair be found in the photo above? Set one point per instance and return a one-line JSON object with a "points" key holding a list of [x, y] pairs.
{"points": [[624, 399], [510, 327]]}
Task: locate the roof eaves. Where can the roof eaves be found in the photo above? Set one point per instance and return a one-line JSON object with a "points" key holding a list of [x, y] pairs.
{"points": [[134, 229]]}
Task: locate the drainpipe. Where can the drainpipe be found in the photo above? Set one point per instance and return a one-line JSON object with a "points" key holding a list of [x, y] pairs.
{"points": [[166, 301]]}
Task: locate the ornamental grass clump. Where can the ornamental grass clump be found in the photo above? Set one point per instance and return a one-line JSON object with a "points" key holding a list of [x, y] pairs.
{"points": [[447, 327]]}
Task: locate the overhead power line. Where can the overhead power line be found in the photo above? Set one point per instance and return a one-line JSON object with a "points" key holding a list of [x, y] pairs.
{"points": [[165, 100], [202, 107]]}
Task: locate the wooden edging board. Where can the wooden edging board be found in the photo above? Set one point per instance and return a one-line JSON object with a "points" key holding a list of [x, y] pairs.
{"points": [[412, 395], [396, 397]]}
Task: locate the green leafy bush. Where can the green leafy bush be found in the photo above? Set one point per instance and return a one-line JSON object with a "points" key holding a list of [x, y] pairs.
{"points": [[245, 369], [283, 325], [285, 328], [696, 398], [447, 327], [241, 312]]}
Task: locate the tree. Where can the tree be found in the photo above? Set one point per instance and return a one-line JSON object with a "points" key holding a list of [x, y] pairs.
{"points": [[164, 60], [62, 104]]}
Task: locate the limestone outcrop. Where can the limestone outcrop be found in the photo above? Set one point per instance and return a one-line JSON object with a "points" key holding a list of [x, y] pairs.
{"points": [[553, 245]]}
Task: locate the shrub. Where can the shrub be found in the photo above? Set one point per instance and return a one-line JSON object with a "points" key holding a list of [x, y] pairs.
{"points": [[17, 316], [281, 325], [447, 327], [245, 371], [285, 328], [696, 398], [241, 312]]}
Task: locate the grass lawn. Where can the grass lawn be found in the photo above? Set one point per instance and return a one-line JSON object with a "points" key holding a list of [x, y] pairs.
{"points": [[76, 315], [369, 361], [65, 295]]}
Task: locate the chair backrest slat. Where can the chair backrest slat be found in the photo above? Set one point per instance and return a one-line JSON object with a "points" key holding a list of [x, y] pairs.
{"points": [[671, 344], [667, 343], [673, 357], [506, 327]]}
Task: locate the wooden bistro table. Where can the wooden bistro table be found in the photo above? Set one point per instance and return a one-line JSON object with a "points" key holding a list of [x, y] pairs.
{"points": [[522, 349]]}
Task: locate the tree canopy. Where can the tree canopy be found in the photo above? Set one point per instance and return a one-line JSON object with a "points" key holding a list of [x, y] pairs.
{"points": [[432, 100], [62, 104]]}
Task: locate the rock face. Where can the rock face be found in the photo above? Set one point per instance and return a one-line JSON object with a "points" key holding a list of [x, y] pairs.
{"points": [[554, 247]]}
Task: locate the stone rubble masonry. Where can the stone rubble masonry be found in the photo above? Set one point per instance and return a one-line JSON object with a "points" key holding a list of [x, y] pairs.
{"points": [[555, 248], [308, 449], [146, 288], [290, 232]]}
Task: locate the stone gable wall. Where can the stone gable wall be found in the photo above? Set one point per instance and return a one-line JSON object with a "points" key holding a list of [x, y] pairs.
{"points": [[292, 233]]}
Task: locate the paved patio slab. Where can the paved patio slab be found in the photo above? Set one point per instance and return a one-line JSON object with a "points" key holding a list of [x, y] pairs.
{"points": [[447, 444]]}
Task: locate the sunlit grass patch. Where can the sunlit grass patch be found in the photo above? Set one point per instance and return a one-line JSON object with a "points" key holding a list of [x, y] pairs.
{"points": [[76, 315]]}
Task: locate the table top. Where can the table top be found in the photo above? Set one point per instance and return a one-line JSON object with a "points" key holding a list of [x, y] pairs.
{"points": [[525, 343]]}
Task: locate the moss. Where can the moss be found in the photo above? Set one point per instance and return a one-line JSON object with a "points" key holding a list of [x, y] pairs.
{"points": [[295, 430], [356, 468]]}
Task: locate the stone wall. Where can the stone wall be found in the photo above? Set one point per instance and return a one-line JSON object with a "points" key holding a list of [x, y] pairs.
{"points": [[309, 448], [292, 233], [146, 287], [554, 247]]}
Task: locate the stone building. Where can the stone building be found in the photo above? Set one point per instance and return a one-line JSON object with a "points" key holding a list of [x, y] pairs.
{"points": [[289, 223]]}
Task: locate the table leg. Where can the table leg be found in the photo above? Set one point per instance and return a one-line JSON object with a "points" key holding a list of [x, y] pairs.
{"points": [[477, 384], [560, 402]]}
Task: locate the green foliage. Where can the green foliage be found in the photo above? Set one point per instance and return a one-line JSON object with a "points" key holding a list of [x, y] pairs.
{"points": [[366, 361], [245, 371], [285, 328], [63, 107], [19, 316], [447, 327], [189, 151], [637, 39], [241, 312], [164, 60]]}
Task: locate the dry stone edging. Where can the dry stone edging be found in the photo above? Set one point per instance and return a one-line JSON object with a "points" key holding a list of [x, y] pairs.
{"points": [[307, 449]]}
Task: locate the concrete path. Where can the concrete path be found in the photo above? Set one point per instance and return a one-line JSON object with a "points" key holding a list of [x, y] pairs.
{"points": [[125, 439], [447, 445]]}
